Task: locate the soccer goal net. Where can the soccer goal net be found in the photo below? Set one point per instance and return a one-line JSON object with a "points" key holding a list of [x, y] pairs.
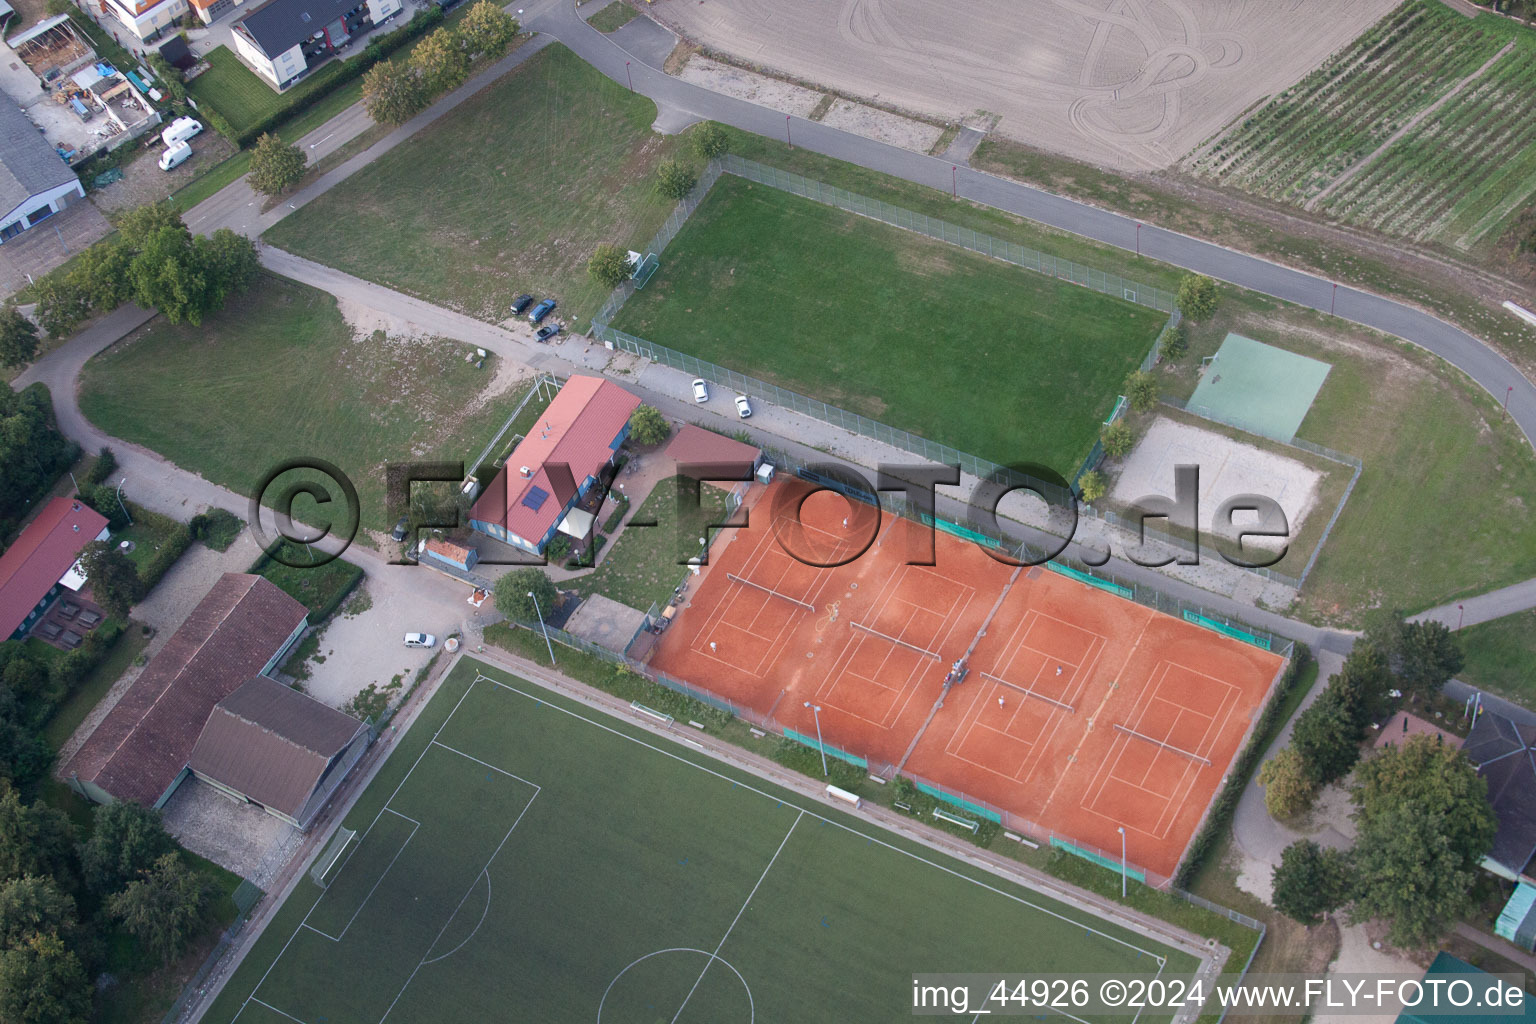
{"points": [[325, 865], [644, 269]]}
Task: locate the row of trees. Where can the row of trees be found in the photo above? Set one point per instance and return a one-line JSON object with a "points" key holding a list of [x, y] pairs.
{"points": [[609, 265], [153, 260], [62, 900], [32, 452], [395, 91]]}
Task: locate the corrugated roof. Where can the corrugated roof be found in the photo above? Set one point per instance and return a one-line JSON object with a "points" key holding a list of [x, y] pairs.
{"points": [[712, 455], [145, 740], [271, 743], [576, 431], [42, 555], [279, 25], [29, 165], [1502, 750]]}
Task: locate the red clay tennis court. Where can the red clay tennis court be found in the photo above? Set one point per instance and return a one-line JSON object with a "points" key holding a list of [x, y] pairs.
{"points": [[1081, 712]]}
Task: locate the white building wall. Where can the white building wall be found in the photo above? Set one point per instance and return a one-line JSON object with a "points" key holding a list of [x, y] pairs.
{"points": [[378, 10], [149, 22], [54, 199]]}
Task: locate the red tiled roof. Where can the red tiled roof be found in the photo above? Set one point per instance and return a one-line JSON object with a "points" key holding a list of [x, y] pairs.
{"points": [[716, 455], [576, 430], [449, 550], [42, 555], [145, 740]]}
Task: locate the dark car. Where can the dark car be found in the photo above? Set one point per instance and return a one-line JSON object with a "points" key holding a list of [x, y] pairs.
{"points": [[541, 311], [546, 332], [400, 528], [521, 303]]}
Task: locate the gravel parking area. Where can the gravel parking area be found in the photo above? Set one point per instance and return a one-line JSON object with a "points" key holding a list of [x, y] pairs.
{"points": [[241, 837]]}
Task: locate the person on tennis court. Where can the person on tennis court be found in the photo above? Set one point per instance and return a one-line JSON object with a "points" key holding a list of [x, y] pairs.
{"points": [[1058, 670], [712, 647], [999, 702]]}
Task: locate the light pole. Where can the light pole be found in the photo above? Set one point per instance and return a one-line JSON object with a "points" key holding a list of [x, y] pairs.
{"points": [[816, 713], [787, 137], [1122, 862], [1507, 392], [1461, 615], [545, 628], [1335, 300], [630, 76], [120, 500], [1138, 239], [954, 181]]}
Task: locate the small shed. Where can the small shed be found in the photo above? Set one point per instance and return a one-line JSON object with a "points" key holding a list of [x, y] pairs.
{"points": [[449, 553], [705, 455]]}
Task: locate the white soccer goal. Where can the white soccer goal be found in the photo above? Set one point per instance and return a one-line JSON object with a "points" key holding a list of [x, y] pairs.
{"points": [[325, 865]]}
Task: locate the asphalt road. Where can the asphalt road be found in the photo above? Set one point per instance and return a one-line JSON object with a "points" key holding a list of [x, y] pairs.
{"points": [[1490, 370]]}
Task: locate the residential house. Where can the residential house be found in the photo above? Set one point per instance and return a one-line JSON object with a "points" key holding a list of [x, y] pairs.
{"points": [[43, 562], [284, 39]]}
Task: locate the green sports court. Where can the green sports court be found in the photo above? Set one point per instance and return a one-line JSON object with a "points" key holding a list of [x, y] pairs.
{"points": [[523, 857], [1261, 388]]}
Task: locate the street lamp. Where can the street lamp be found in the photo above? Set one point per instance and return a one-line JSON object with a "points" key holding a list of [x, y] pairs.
{"points": [[1122, 862], [1461, 615], [629, 76], [816, 713], [545, 628], [120, 500]]}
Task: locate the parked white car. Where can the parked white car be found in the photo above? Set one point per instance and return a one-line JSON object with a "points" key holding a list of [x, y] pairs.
{"points": [[181, 129], [175, 156], [700, 391], [743, 407], [420, 640]]}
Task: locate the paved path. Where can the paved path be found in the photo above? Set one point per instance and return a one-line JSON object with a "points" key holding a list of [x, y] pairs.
{"points": [[1469, 611]]}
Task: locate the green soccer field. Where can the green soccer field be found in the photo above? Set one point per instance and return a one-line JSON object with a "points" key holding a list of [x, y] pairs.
{"points": [[522, 857], [957, 347]]}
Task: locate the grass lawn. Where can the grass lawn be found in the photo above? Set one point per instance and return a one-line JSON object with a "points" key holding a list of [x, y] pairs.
{"points": [[278, 374], [959, 348], [615, 16], [319, 587], [1500, 655], [647, 562], [488, 844], [62, 724], [1441, 509], [242, 97], [526, 178]]}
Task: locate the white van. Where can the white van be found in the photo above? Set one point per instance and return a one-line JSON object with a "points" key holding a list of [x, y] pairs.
{"points": [[181, 129], [175, 156]]}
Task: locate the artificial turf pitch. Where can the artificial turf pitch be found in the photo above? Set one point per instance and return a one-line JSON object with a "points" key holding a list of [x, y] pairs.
{"points": [[922, 335], [522, 857]]}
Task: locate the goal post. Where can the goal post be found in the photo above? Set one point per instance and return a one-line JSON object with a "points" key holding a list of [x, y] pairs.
{"points": [[644, 269], [324, 867]]}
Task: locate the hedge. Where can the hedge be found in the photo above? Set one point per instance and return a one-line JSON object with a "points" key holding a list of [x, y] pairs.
{"points": [[1220, 815], [376, 51], [176, 539]]}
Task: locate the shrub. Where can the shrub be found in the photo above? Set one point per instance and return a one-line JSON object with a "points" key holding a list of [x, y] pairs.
{"points": [[102, 468], [217, 528], [674, 179], [709, 140], [608, 266], [1091, 486], [647, 426], [1141, 390], [1198, 297], [1174, 344], [1118, 439]]}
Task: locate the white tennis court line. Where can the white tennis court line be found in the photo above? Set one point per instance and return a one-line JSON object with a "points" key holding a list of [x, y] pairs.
{"points": [[745, 903], [751, 788]]}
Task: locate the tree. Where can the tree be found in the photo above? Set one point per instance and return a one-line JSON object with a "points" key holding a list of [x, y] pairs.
{"points": [[1141, 390], [142, 221], [609, 266], [35, 840], [18, 338], [167, 275], [103, 498], [1310, 881], [1174, 343], [1327, 737], [1091, 486], [62, 305], [42, 982], [1288, 790], [1118, 439], [32, 451], [229, 265], [101, 273], [113, 577], [393, 93], [126, 839], [512, 592], [647, 426], [275, 165], [171, 80], [1198, 297], [486, 30], [165, 907], [440, 61], [674, 179], [1362, 685], [33, 905], [1424, 826], [709, 140]]}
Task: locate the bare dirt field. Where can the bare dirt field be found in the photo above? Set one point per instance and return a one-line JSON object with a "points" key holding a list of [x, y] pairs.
{"points": [[1129, 84]]}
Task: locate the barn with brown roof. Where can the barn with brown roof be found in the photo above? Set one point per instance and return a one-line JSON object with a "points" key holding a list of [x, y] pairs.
{"points": [[243, 628], [270, 745]]}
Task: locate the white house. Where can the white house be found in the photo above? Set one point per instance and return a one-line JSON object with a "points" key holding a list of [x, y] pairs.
{"points": [[283, 39], [147, 20], [35, 182]]}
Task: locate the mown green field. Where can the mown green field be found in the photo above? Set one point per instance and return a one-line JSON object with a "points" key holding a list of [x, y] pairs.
{"points": [[918, 334], [522, 857]]}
